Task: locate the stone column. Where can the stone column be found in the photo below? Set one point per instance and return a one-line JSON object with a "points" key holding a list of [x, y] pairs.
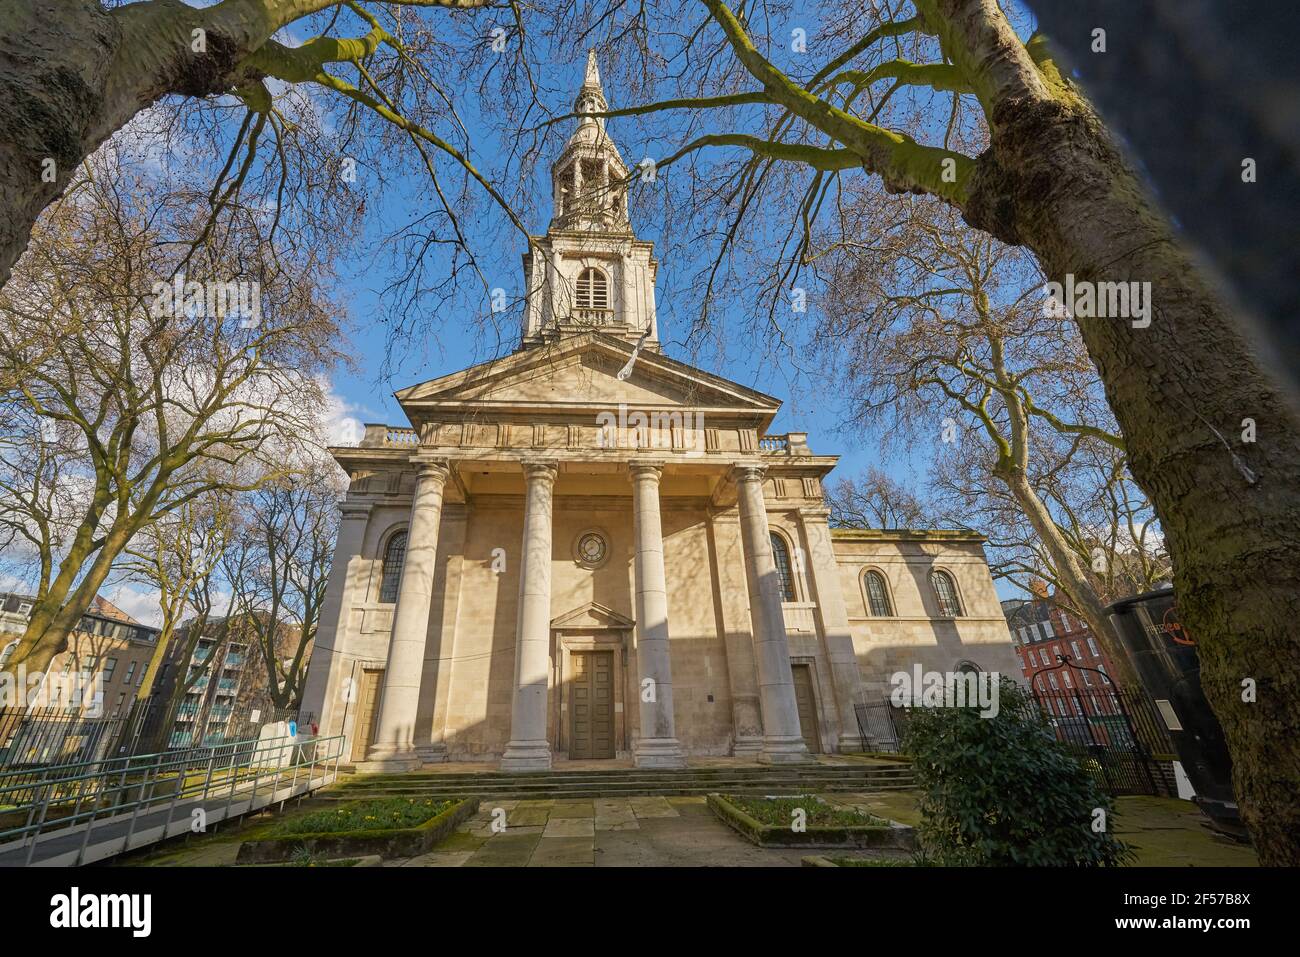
{"points": [[657, 745], [732, 595], [322, 693], [782, 741], [394, 744], [528, 749], [833, 615]]}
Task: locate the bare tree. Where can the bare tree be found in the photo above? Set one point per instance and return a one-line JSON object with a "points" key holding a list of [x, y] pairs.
{"points": [[167, 391], [176, 556], [949, 343], [875, 500], [291, 527]]}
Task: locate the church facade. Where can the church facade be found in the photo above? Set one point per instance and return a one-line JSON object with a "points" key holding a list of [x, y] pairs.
{"points": [[587, 549]]}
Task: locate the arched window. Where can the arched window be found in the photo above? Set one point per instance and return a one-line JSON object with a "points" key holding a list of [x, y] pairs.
{"points": [[593, 289], [878, 595], [784, 572], [8, 652], [946, 592], [394, 559]]}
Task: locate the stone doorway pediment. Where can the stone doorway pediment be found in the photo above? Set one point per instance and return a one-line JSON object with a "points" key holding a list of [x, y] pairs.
{"points": [[592, 615]]}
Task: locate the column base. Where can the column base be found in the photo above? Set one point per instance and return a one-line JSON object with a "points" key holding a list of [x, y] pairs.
{"points": [[850, 744], [382, 758], [432, 753], [658, 753], [747, 747], [784, 751], [526, 756]]}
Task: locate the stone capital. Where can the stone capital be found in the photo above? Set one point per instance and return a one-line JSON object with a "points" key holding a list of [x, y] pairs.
{"points": [[748, 472], [354, 511], [540, 470], [648, 469], [428, 467]]}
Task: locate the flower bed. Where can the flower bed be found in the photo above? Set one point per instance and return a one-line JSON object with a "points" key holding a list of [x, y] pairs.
{"points": [[771, 822], [395, 827]]}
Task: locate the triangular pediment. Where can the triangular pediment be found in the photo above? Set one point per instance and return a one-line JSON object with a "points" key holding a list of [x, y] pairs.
{"points": [[583, 371], [592, 615]]}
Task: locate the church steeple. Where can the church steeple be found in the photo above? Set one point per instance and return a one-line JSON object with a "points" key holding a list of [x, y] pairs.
{"points": [[589, 178], [589, 270]]}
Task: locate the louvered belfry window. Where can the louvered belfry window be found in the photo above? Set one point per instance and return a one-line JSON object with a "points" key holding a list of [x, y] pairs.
{"points": [[593, 290]]}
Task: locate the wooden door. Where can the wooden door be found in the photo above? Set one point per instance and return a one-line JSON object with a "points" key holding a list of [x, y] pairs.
{"points": [[591, 704], [363, 732], [803, 696]]}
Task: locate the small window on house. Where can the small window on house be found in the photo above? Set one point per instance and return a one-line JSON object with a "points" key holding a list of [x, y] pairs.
{"points": [[394, 559], [784, 572], [878, 595], [130, 672], [593, 290], [109, 667], [946, 592]]}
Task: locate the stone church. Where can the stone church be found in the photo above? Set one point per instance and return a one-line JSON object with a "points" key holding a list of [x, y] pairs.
{"points": [[588, 549]]}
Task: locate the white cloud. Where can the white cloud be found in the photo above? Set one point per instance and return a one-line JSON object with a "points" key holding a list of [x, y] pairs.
{"points": [[139, 602], [339, 424]]}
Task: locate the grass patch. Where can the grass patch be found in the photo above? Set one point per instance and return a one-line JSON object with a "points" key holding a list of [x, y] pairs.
{"points": [[780, 812], [387, 828], [373, 815]]}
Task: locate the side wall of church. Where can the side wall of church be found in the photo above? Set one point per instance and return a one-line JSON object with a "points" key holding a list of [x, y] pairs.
{"points": [[917, 632]]}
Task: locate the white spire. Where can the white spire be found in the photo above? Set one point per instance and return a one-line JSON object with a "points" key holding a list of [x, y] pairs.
{"points": [[592, 79]]}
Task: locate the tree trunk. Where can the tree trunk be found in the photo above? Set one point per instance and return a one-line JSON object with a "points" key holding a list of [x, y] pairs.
{"points": [[1073, 577], [73, 73], [1181, 389]]}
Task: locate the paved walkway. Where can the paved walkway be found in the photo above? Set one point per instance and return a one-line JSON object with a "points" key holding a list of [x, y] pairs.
{"points": [[610, 832]]}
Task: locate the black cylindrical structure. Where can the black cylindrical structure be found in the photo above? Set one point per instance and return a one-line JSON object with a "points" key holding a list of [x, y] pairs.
{"points": [[1165, 658]]}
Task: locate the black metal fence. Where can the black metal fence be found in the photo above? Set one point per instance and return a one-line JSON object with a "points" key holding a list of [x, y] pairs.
{"points": [[1117, 735], [44, 737]]}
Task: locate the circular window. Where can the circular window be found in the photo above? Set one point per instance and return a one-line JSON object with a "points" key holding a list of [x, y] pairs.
{"points": [[590, 549]]}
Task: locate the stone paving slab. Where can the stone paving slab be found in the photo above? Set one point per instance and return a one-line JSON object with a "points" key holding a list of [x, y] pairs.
{"points": [[527, 815], [563, 852], [646, 807], [569, 827], [440, 859], [505, 850]]}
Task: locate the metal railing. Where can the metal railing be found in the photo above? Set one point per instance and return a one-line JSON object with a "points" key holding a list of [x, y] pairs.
{"points": [[132, 801]]}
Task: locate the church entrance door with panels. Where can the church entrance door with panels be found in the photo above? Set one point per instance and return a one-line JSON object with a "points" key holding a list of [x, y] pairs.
{"points": [[591, 705]]}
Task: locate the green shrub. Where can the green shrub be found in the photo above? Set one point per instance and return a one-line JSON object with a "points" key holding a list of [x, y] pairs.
{"points": [[1002, 791], [373, 815]]}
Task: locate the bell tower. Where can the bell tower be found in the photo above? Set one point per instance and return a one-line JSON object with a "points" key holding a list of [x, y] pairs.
{"points": [[590, 271]]}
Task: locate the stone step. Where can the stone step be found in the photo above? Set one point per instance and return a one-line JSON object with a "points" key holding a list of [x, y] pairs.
{"points": [[541, 787], [625, 774], [585, 792]]}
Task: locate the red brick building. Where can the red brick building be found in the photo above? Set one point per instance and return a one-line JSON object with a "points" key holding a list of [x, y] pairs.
{"points": [[1041, 632]]}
